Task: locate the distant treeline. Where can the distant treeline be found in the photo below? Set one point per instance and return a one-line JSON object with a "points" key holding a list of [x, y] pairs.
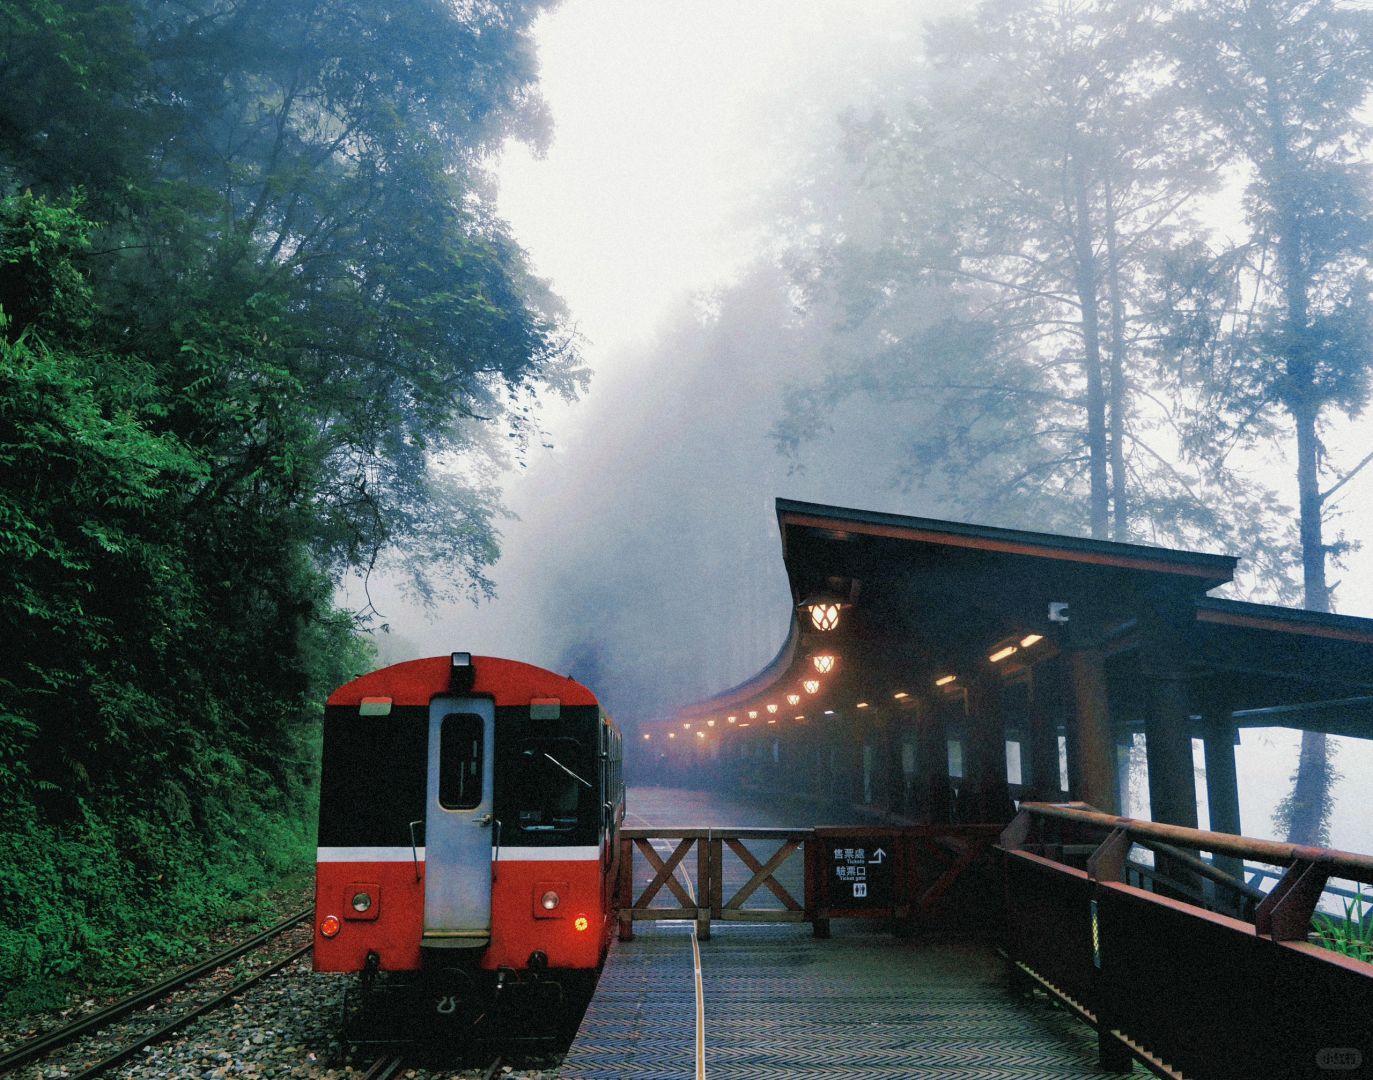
{"points": [[259, 326]]}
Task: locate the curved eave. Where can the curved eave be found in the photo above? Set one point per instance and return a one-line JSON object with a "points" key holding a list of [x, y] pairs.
{"points": [[751, 689]]}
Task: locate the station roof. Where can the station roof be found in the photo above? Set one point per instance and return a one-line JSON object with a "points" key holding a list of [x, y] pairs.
{"points": [[925, 599]]}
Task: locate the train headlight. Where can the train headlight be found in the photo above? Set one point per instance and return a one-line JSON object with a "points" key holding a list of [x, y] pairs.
{"points": [[549, 900], [330, 925], [362, 901]]}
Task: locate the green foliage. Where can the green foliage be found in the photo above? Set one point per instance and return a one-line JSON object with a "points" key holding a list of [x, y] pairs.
{"points": [[261, 326], [1350, 936]]}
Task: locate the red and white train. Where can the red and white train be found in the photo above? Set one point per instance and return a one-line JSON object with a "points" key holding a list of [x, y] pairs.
{"points": [[468, 835]]}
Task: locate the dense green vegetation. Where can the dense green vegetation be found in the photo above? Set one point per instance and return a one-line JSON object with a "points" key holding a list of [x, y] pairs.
{"points": [[260, 327]]}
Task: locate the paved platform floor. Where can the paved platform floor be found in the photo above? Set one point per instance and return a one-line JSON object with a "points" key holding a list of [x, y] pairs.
{"points": [[776, 1002]]}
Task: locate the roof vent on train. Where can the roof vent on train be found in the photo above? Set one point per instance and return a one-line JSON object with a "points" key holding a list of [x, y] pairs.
{"points": [[462, 674]]}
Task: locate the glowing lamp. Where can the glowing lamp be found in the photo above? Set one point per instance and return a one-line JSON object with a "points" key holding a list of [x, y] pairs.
{"points": [[824, 662], [753, 714], [772, 708], [944, 680], [811, 686], [1030, 639], [330, 925], [793, 699], [580, 923], [824, 615], [710, 723], [1002, 653]]}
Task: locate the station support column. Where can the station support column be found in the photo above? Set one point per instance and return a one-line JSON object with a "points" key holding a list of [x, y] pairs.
{"points": [[932, 760], [1093, 745], [1222, 784], [1049, 700], [1166, 631], [984, 765]]}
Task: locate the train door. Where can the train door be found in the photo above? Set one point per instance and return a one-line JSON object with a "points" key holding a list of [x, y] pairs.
{"points": [[458, 823]]}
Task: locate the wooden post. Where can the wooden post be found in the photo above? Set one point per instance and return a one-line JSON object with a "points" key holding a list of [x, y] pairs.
{"points": [[626, 889], [932, 760], [1166, 627], [1222, 784], [984, 765], [1048, 703], [1093, 741], [704, 888]]}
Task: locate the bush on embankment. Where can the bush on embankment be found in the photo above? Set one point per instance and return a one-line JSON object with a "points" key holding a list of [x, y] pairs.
{"points": [[164, 653]]}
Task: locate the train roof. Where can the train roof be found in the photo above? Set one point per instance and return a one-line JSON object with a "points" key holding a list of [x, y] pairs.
{"points": [[507, 682]]}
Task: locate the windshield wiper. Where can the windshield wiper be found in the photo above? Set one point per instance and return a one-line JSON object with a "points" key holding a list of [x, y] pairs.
{"points": [[566, 770]]}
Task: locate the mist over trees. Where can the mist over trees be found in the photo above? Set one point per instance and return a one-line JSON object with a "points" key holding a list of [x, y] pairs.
{"points": [[1033, 265], [261, 326]]}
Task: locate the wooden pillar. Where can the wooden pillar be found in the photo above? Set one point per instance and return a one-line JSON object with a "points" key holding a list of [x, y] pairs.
{"points": [[1166, 627], [1222, 784], [984, 761], [1048, 704], [1093, 745], [932, 761]]}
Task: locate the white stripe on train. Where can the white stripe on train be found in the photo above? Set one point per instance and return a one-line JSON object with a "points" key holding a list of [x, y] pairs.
{"points": [[590, 853]]}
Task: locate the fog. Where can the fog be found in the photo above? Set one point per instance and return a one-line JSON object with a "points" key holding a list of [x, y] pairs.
{"points": [[644, 557]]}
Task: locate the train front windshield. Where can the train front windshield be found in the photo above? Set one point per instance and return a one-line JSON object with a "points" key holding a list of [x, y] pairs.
{"points": [[548, 783], [549, 786]]}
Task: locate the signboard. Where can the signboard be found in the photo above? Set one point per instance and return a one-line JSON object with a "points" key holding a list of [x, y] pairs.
{"points": [[860, 874], [858, 870]]}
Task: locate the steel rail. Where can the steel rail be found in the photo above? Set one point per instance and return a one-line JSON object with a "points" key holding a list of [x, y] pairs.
{"points": [[384, 1068], [45, 1044], [493, 1068], [123, 1054]]}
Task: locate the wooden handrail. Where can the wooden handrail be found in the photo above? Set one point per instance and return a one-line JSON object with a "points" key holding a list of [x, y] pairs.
{"points": [[1346, 864]]}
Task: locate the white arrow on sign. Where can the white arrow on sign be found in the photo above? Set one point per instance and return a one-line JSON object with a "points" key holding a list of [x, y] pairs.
{"points": [[878, 856]]}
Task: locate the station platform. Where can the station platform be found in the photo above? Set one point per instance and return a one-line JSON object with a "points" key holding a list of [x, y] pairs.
{"points": [[758, 1001], [779, 1003]]}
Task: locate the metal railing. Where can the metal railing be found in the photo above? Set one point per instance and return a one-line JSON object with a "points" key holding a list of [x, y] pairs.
{"points": [[1185, 990]]}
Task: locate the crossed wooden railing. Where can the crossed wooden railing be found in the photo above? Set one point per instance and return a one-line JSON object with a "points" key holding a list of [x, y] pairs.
{"points": [[925, 862]]}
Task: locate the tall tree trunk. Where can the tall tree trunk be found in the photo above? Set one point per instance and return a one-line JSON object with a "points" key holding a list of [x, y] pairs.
{"points": [[1087, 289], [1120, 507], [1307, 808]]}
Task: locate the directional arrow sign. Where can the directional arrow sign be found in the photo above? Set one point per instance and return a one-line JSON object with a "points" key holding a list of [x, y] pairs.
{"points": [[878, 856]]}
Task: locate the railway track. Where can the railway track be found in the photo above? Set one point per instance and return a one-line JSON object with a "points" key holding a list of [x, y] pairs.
{"points": [[46, 1044]]}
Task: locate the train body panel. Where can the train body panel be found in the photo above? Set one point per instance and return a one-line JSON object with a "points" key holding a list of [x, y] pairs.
{"points": [[396, 914], [469, 818]]}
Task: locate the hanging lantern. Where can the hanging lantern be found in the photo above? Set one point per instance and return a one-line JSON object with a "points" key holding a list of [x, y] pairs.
{"points": [[811, 686], [823, 662], [824, 614], [793, 699], [772, 708]]}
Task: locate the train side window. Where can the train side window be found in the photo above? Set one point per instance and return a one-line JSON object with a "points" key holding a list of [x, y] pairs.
{"points": [[460, 761]]}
